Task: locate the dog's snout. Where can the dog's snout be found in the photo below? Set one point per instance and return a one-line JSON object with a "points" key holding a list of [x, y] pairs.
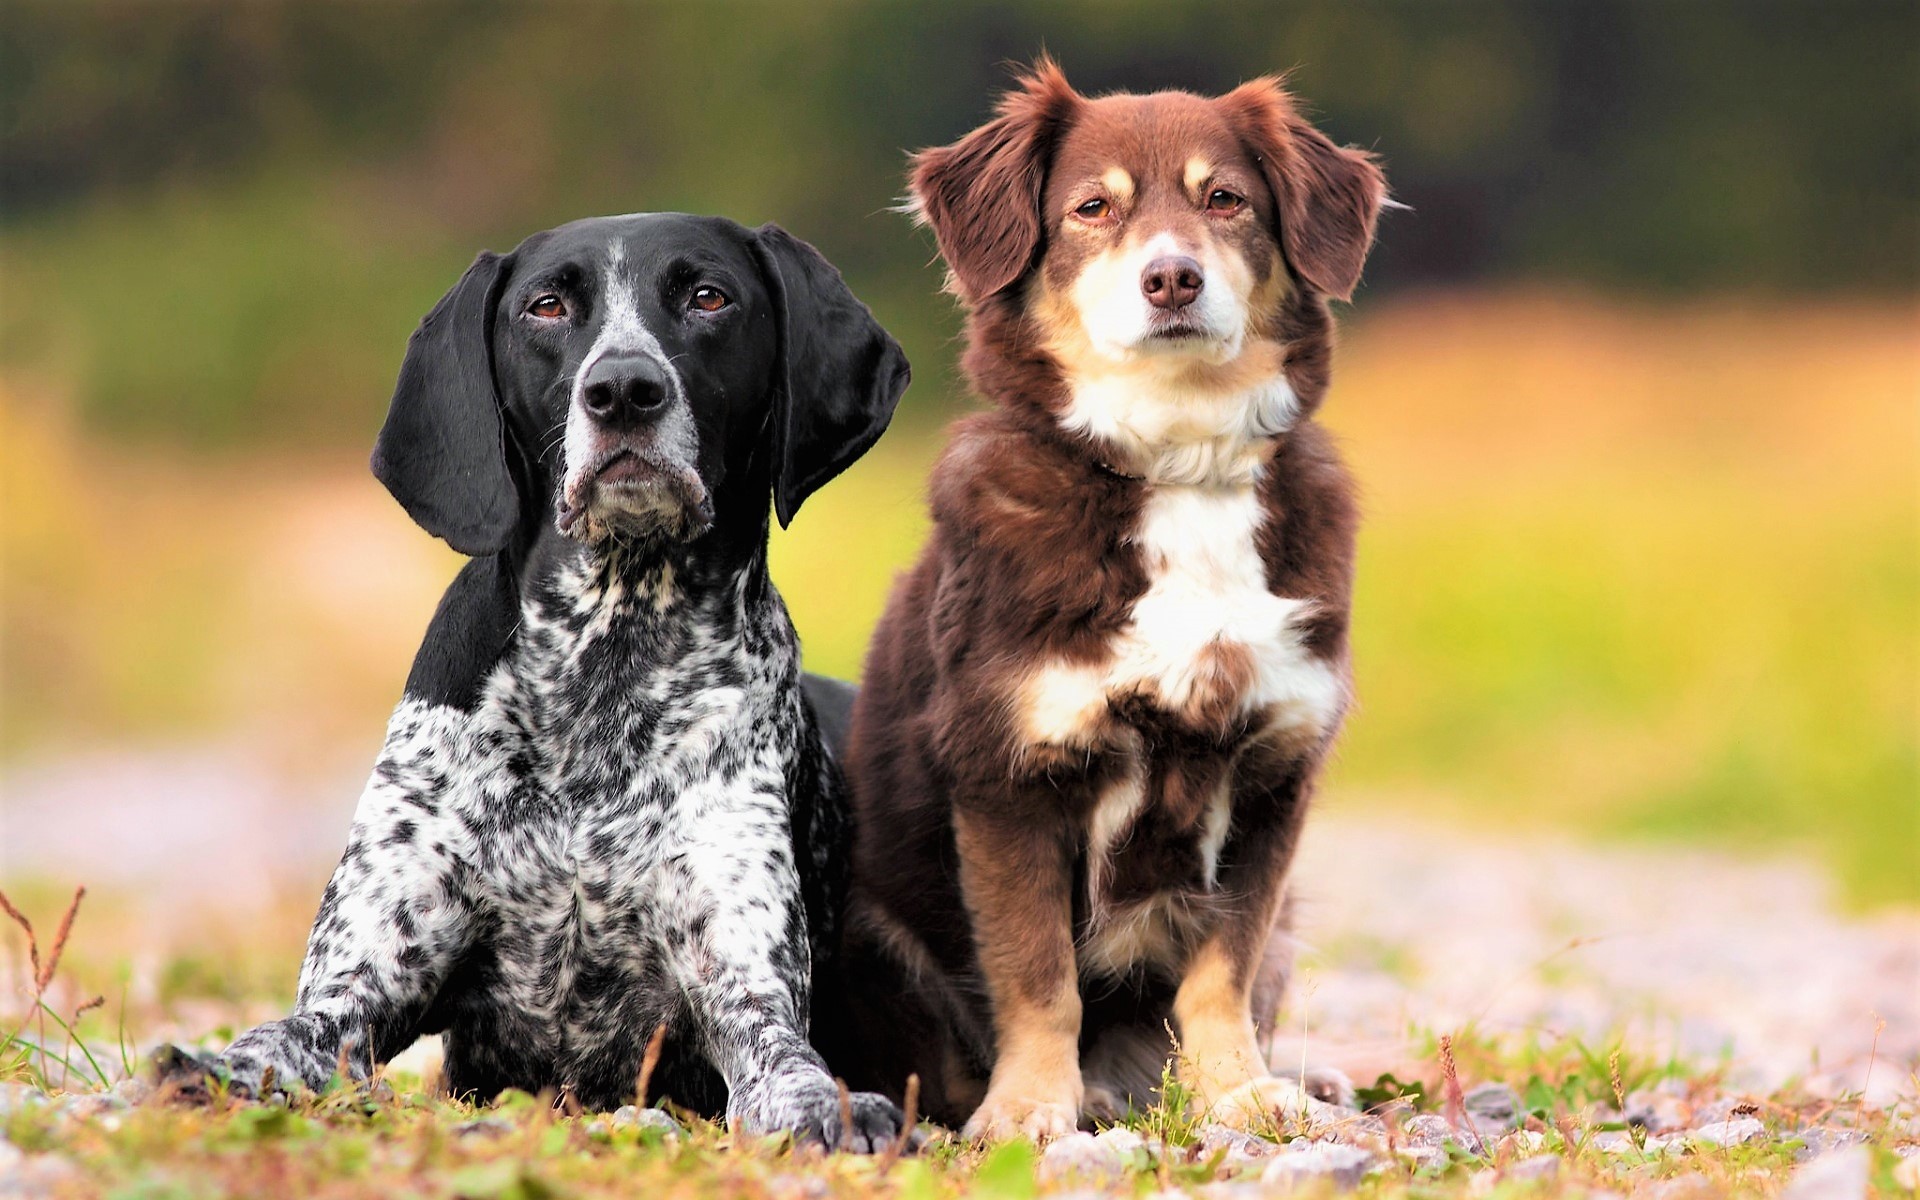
{"points": [[1172, 282], [625, 390]]}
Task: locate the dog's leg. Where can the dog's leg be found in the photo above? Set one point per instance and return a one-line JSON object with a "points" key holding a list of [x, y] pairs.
{"points": [[1017, 884], [738, 944], [1222, 1059], [393, 920]]}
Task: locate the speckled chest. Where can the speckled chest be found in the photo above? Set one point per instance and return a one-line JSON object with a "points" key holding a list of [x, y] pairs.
{"points": [[628, 722]]}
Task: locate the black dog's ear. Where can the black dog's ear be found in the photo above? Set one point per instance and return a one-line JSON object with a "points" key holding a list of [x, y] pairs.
{"points": [[442, 451], [840, 373]]}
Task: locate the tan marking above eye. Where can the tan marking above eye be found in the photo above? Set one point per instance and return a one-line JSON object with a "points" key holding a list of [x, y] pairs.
{"points": [[1198, 171], [1119, 184]]}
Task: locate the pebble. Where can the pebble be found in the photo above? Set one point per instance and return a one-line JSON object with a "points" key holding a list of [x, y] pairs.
{"points": [[1736, 1132], [1540, 1167], [1681, 1187], [1659, 1111], [25, 1175], [1906, 1172], [631, 1116], [1614, 1141], [91, 1105], [1494, 1106], [492, 1126], [1423, 1158], [1840, 1175], [1112, 1154], [16, 1097], [1428, 1129], [1242, 1149], [1318, 1162], [1821, 1139], [134, 1091]]}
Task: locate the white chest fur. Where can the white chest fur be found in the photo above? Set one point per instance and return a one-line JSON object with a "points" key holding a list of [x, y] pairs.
{"points": [[1207, 603]]}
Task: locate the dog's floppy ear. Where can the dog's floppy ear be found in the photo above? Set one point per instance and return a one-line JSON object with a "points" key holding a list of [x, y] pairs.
{"points": [[1328, 196], [442, 451], [839, 374], [981, 194]]}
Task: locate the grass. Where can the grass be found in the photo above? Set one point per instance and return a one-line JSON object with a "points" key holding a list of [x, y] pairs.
{"points": [[398, 1136], [401, 1139]]}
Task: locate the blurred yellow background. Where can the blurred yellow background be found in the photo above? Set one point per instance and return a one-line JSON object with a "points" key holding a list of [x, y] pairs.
{"points": [[1632, 391]]}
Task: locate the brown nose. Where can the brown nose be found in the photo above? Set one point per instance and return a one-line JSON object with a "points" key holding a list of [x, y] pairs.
{"points": [[1173, 282]]}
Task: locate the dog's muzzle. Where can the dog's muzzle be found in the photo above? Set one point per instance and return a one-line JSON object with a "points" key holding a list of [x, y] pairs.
{"points": [[630, 449]]}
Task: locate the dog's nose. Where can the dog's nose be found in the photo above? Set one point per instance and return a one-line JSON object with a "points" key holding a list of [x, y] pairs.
{"points": [[1172, 282], [625, 390]]}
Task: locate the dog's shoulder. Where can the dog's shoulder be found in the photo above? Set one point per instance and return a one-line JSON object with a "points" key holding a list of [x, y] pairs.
{"points": [[1308, 539], [470, 631], [1010, 483]]}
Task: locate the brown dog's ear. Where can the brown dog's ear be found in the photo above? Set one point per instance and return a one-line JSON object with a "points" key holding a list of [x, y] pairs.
{"points": [[1328, 196], [981, 194]]}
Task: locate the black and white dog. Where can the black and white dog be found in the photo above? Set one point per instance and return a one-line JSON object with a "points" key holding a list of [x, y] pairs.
{"points": [[604, 803]]}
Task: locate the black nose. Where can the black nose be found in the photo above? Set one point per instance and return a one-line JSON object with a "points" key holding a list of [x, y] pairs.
{"points": [[1172, 282], [625, 390]]}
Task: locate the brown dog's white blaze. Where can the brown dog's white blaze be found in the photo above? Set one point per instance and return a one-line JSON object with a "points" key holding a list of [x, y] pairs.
{"points": [[1095, 710]]}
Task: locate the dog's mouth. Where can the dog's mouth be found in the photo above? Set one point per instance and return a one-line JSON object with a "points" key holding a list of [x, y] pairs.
{"points": [[1177, 329], [630, 493]]}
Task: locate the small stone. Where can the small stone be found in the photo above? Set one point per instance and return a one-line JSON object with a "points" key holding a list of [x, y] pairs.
{"points": [[16, 1097], [1540, 1167], [1656, 1110], [92, 1105], [1241, 1149], [1840, 1175], [483, 1126], [1614, 1141], [1524, 1142], [1121, 1140], [1821, 1139], [1429, 1129], [134, 1091], [35, 1175], [1906, 1172], [1237, 1189], [1103, 1157], [1423, 1158], [1736, 1132], [1318, 1162], [1494, 1105], [629, 1116], [1680, 1187]]}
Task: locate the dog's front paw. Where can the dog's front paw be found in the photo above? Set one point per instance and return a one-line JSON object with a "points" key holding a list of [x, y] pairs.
{"points": [[1000, 1117], [806, 1104], [1329, 1085], [1273, 1101], [185, 1073], [279, 1058]]}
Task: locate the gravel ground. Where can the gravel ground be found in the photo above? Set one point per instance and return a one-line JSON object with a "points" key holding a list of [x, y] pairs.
{"points": [[1688, 953], [1409, 927]]}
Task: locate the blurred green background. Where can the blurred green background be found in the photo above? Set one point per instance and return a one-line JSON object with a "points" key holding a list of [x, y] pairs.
{"points": [[1631, 388]]}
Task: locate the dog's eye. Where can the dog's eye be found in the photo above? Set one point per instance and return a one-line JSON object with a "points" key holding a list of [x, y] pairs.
{"points": [[707, 298], [1222, 200], [547, 306], [1093, 209]]}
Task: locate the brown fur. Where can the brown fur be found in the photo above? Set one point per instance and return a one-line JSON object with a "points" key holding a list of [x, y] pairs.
{"points": [[974, 909]]}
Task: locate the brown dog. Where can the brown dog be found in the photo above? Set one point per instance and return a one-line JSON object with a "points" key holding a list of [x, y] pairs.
{"points": [[1094, 711]]}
